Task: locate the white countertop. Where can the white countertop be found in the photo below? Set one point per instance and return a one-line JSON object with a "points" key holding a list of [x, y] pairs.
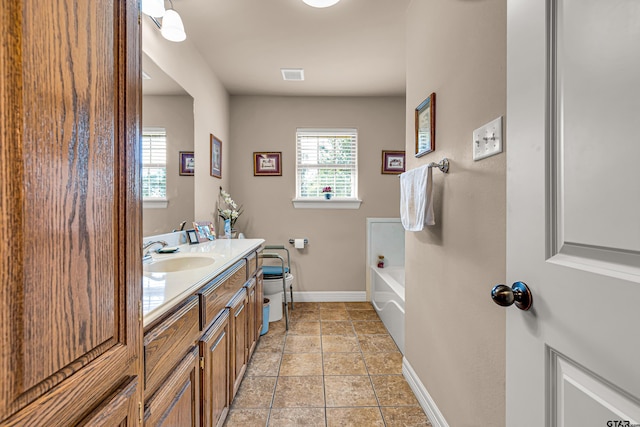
{"points": [[163, 290]]}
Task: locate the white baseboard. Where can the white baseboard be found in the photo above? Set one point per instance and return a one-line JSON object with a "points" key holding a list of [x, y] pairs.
{"points": [[423, 396], [353, 296]]}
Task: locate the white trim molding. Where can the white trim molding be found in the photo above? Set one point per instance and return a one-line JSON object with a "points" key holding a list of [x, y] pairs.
{"points": [[326, 204], [424, 398], [339, 296]]}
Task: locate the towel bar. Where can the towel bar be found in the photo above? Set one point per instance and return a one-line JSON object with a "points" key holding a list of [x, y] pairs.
{"points": [[443, 165]]}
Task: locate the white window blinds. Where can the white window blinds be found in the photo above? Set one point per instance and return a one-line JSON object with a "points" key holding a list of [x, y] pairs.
{"points": [[154, 163], [327, 158]]}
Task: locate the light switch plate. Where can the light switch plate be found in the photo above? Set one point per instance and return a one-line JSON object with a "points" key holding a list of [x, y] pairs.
{"points": [[487, 140]]}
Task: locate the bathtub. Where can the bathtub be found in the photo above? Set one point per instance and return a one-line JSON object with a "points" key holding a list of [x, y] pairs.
{"points": [[387, 297]]}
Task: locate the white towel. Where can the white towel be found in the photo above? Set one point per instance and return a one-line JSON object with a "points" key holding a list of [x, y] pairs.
{"points": [[416, 201]]}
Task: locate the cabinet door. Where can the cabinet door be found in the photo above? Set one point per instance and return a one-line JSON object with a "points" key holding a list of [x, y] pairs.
{"points": [[117, 410], [70, 217], [252, 303], [259, 305], [214, 372], [238, 316], [177, 401]]}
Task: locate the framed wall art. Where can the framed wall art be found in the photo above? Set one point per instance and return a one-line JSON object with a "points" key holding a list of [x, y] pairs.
{"points": [[205, 230], [267, 163], [187, 163], [393, 162], [426, 126], [216, 156]]}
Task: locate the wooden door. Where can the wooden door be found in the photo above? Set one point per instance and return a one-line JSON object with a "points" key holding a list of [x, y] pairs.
{"points": [[573, 192], [214, 372], [69, 182]]}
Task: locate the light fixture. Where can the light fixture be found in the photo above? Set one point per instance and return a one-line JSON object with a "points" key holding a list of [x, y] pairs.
{"points": [[172, 27], [321, 3], [153, 8]]}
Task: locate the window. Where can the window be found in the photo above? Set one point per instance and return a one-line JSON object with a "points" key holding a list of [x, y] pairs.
{"points": [[154, 164], [327, 158]]}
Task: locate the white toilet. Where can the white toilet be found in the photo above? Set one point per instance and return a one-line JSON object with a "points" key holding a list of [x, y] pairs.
{"points": [[273, 291]]}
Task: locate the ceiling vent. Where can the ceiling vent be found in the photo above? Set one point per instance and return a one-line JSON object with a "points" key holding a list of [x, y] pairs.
{"points": [[292, 74]]}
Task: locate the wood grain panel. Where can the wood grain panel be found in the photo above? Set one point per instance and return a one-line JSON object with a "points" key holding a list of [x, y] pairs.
{"points": [[69, 154], [177, 402], [252, 303], [216, 295], [260, 302], [165, 344], [70, 167], [116, 410], [214, 375]]}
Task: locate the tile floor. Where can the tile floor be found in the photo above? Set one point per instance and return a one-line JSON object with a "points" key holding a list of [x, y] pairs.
{"points": [[336, 366]]}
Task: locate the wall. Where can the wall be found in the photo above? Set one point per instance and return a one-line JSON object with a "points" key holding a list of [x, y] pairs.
{"points": [[334, 260], [184, 64], [455, 334], [175, 114]]}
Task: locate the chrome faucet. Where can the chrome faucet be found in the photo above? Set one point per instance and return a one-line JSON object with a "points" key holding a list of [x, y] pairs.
{"points": [[146, 256], [182, 224]]}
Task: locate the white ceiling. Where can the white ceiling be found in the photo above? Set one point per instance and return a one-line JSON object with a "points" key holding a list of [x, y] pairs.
{"points": [[355, 48]]}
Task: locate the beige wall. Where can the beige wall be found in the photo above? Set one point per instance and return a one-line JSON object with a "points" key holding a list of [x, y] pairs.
{"points": [[186, 66], [175, 114], [335, 257], [455, 334]]}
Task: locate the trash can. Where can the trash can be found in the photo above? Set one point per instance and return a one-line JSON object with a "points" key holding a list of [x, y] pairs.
{"points": [[265, 317]]}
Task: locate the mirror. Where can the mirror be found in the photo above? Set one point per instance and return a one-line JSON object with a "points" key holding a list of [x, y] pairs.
{"points": [[167, 106], [426, 126]]}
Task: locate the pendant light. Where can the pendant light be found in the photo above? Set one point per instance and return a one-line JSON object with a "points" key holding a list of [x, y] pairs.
{"points": [[172, 27], [321, 3], [153, 8]]}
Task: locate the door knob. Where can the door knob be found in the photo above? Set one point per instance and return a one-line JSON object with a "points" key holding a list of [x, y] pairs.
{"points": [[519, 293]]}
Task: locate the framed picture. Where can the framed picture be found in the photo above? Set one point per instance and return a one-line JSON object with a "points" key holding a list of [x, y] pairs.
{"points": [[267, 163], [392, 162], [187, 163], [216, 157], [426, 126], [205, 230], [192, 237]]}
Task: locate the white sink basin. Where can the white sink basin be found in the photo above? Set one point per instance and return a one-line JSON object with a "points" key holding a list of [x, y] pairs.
{"points": [[170, 265]]}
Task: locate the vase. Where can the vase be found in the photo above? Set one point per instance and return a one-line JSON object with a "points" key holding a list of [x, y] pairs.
{"points": [[327, 196]]}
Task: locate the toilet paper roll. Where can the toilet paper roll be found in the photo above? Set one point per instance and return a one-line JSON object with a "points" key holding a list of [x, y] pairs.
{"points": [[298, 243]]}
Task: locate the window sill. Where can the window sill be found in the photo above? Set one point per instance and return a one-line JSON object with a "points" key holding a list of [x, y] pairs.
{"points": [[155, 204], [326, 204]]}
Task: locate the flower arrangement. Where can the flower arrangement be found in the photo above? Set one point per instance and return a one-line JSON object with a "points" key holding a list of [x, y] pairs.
{"points": [[326, 189], [230, 211]]}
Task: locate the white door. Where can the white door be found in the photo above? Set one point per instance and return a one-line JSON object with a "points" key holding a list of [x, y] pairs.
{"points": [[573, 232]]}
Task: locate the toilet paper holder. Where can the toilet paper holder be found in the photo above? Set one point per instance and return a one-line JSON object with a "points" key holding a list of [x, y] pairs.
{"points": [[292, 241]]}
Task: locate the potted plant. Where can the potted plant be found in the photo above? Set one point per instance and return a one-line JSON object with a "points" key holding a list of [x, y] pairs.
{"points": [[327, 192]]}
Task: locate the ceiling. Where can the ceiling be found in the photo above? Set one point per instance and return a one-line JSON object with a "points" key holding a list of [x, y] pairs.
{"points": [[355, 48]]}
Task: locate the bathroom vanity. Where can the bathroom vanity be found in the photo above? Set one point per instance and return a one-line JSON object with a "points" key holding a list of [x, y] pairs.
{"points": [[202, 316]]}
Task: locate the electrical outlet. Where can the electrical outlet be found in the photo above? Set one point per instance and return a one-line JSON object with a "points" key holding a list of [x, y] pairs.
{"points": [[487, 140]]}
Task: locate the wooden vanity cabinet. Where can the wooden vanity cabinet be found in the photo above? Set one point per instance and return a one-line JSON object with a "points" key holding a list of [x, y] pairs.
{"points": [[214, 372], [238, 327], [196, 354]]}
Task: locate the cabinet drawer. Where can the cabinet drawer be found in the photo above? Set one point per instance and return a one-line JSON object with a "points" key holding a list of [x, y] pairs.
{"points": [[252, 265], [216, 295], [166, 343]]}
